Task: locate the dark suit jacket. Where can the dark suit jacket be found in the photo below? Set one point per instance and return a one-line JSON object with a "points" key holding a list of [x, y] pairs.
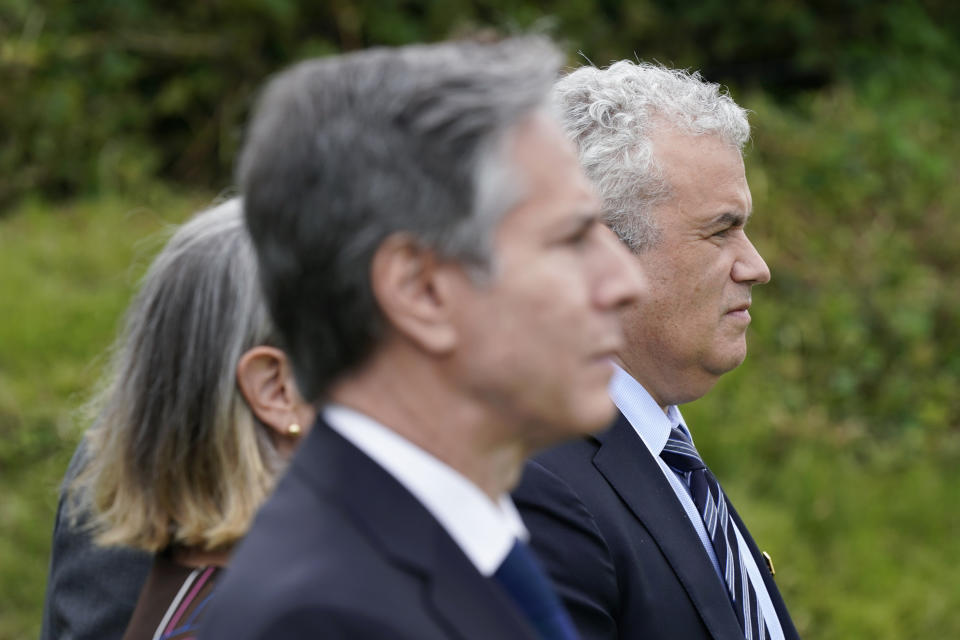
{"points": [[620, 548], [91, 590], [342, 550]]}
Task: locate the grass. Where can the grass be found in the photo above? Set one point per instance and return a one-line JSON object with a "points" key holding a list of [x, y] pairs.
{"points": [[68, 272]]}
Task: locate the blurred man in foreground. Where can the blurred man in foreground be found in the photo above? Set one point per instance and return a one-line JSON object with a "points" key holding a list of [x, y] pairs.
{"points": [[434, 258], [634, 529]]}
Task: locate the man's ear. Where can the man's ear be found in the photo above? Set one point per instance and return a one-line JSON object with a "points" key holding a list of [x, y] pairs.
{"points": [[412, 286], [266, 381]]}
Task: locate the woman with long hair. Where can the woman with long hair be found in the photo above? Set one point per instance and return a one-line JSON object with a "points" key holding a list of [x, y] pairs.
{"points": [[195, 419]]}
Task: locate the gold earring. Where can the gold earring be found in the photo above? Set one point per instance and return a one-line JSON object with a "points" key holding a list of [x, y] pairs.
{"points": [[293, 430]]}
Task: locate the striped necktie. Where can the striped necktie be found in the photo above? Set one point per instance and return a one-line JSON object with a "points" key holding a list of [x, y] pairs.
{"points": [[713, 506], [522, 578]]}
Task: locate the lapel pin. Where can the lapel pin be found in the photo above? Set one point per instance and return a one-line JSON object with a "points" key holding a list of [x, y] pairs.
{"points": [[769, 561]]}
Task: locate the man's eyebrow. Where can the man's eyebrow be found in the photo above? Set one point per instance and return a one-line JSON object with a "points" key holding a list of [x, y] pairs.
{"points": [[583, 219], [590, 217], [729, 219]]}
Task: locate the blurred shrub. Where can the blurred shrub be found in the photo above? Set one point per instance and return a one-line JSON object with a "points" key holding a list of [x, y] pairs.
{"points": [[839, 438], [100, 95], [858, 217]]}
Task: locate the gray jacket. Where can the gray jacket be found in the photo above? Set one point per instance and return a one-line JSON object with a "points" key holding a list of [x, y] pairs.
{"points": [[91, 590]]}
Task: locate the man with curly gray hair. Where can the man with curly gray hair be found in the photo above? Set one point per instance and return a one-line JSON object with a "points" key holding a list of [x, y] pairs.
{"points": [[635, 530]]}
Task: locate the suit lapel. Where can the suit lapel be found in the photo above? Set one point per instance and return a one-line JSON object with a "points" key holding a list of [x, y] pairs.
{"points": [[626, 463], [466, 604], [471, 605]]}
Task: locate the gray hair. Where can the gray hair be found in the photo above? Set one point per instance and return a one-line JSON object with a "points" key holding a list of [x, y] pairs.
{"points": [[175, 455], [612, 114], [344, 152]]}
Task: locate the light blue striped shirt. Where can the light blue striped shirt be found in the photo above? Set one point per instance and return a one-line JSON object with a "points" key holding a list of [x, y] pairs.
{"points": [[653, 426]]}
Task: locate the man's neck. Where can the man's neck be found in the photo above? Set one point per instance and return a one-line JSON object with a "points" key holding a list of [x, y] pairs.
{"points": [[442, 422], [645, 383]]}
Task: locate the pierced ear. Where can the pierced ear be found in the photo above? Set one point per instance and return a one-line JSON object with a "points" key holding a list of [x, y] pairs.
{"points": [[410, 284], [266, 381]]}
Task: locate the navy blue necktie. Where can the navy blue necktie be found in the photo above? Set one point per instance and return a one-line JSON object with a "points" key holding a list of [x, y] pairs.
{"points": [[523, 579], [713, 506]]}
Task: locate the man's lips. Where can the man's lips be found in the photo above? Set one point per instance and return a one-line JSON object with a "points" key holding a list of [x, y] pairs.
{"points": [[743, 306], [609, 349], [741, 311]]}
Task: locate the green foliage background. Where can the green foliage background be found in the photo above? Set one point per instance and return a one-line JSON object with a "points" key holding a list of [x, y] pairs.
{"points": [[839, 438]]}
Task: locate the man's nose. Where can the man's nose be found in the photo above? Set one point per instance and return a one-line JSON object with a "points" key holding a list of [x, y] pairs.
{"points": [[750, 267]]}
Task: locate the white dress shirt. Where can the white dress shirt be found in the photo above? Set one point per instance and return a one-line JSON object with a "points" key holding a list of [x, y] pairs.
{"points": [[654, 426], [483, 529]]}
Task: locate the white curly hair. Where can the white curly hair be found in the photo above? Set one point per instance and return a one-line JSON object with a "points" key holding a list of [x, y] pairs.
{"points": [[611, 115]]}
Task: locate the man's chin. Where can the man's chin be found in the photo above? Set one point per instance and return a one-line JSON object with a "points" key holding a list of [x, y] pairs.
{"points": [[727, 362], [590, 417], [599, 419]]}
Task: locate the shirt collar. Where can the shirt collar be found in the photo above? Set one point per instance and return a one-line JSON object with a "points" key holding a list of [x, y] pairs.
{"points": [[642, 411], [484, 530]]}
